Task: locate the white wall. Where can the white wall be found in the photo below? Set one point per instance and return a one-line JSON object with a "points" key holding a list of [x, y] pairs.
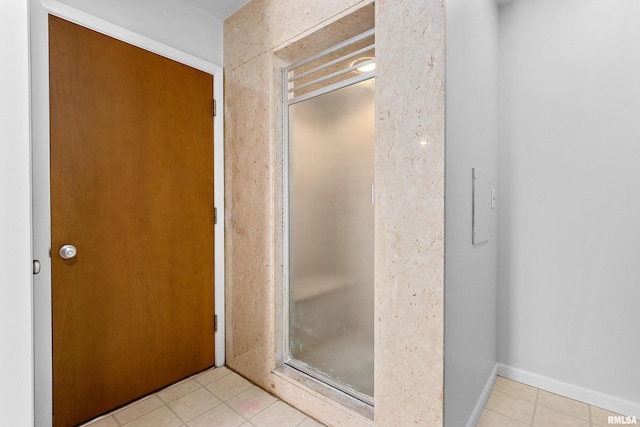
{"points": [[570, 201], [178, 24], [471, 141], [16, 348]]}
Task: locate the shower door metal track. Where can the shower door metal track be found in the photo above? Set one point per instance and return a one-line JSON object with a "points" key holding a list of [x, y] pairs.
{"points": [[312, 373]]}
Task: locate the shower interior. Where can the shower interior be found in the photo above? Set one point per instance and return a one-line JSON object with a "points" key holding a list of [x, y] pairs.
{"points": [[330, 218]]}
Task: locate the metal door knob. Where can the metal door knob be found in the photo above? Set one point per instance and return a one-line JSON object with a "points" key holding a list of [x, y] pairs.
{"points": [[68, 251]]}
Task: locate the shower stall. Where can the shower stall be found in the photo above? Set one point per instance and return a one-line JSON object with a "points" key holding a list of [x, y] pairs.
{"points": [[329, 120]]}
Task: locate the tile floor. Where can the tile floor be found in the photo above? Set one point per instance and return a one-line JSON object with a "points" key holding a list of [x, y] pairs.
{"points": [[218, 397], [221, 398], [513, 404]]}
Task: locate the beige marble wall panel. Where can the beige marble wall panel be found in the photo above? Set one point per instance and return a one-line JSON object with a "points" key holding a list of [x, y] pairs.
{"points": [[409, 206], [249, 290], [361, 20], [409, 213], [264, 24]]}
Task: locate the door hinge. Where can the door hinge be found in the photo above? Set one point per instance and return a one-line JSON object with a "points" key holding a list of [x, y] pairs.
{"points": [[215, 323], [215, 216], [215, 108]]}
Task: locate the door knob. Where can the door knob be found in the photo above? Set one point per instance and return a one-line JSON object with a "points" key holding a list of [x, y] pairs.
{"points": [[68, 251]]}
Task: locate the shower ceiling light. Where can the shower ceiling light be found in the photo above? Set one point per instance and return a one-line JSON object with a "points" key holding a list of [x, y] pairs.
{"points": [[368, 64]]}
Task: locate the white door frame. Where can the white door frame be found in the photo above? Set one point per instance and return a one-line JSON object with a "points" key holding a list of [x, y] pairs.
{"points": [[39, 28]]}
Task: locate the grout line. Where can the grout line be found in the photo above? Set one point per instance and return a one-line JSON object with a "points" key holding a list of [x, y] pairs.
{"points": [[230, 397], [200, 386], [219, 403], [132, 404], [236, 412], [535, 407], [177, 398], [503, 415], [209, 370], [172, 411], [272, 403]]}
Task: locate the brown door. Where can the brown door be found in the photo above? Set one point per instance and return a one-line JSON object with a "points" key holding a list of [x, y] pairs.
{"points": [[132, 190]]}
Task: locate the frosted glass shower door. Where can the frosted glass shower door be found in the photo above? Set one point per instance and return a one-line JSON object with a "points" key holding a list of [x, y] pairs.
{"points": [[331, 196]]}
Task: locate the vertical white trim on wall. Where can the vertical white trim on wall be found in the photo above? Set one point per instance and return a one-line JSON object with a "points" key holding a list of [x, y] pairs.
{"points": [[42, 339], [16, 344], [218, 179], [40, 9]]}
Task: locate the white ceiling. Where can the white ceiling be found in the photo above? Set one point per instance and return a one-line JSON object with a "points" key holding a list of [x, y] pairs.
{"points": [[221, 9]]}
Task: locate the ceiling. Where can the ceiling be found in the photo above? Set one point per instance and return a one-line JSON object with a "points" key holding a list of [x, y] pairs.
{"points": [[221, 9]]}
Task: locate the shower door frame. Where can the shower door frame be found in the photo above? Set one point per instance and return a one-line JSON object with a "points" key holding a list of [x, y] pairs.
{"points": [[287, 360]]}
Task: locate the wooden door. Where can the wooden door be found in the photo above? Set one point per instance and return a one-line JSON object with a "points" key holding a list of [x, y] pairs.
{"points": [[132, 190]]}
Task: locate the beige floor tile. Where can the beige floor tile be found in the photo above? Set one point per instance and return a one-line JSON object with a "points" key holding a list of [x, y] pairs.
{"points": [[516, 389], [193, 404], [212, 375], [247, 424], [493, 419], [178, 390], [278, 415], [251, 401], [563, 404], [102, 422], [228, 386], [601, 416], [545, 417], [510, 406], [137, 409], [161, 417], [310, 422], [220, 416]]}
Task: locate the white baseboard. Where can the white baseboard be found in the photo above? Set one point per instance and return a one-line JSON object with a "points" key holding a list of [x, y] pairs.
{"points": [[595, 398], [482, 400]]}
